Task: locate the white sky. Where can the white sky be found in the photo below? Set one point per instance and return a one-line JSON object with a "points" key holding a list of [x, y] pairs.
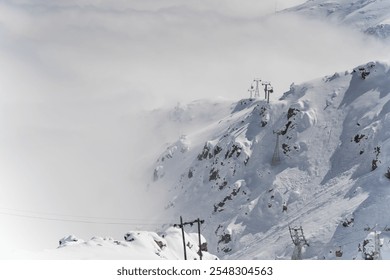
{"points": [[76, 74]]}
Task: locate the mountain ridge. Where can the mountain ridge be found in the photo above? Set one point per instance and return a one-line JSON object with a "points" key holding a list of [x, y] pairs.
{"points": [[333, 146], [369, 16]]}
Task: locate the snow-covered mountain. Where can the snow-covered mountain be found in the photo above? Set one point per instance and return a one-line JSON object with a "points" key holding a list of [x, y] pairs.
{"points": [[136, 245], [317, 158], [369, 16]]}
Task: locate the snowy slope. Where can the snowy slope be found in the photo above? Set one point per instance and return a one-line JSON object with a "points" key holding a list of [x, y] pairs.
{"points": [[369, 16], [168, 122], [137, 245], [329, 179]]}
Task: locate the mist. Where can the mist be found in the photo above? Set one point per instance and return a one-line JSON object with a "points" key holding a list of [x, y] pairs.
{"points": [[80, 78]]}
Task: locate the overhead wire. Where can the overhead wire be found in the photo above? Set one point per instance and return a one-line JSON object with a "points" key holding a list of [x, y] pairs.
{"points": [[74, 216], [83, 219]]}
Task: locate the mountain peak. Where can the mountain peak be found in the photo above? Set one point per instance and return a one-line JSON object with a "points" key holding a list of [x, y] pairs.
{"points": [[369, 16]]}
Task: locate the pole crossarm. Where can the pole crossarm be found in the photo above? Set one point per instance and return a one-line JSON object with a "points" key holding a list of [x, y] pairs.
{"points": [[191, 223]]}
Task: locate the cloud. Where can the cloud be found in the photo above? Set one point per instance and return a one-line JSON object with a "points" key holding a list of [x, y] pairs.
{"points": [[77, 76]]}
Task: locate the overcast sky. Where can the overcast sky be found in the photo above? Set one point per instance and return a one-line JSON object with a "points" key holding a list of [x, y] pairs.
{"points": [[75, 76]]}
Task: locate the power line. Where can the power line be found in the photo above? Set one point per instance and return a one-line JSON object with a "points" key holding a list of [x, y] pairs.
{"points": [[83, 221], [76, 216], [64, 215]]}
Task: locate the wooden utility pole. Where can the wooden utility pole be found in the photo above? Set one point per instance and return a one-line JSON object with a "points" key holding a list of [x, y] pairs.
{"points": [[184, 239], [200, 239], [181, 225], [299, 241]]}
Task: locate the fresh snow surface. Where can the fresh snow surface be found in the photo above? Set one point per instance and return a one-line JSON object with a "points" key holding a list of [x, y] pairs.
{"points": [[136, 245], [329, 178], [369, 16]]}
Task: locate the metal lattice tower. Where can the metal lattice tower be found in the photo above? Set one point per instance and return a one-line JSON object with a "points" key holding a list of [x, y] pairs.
{"points": [[299, 241], [257, 90], [276, 156]]}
